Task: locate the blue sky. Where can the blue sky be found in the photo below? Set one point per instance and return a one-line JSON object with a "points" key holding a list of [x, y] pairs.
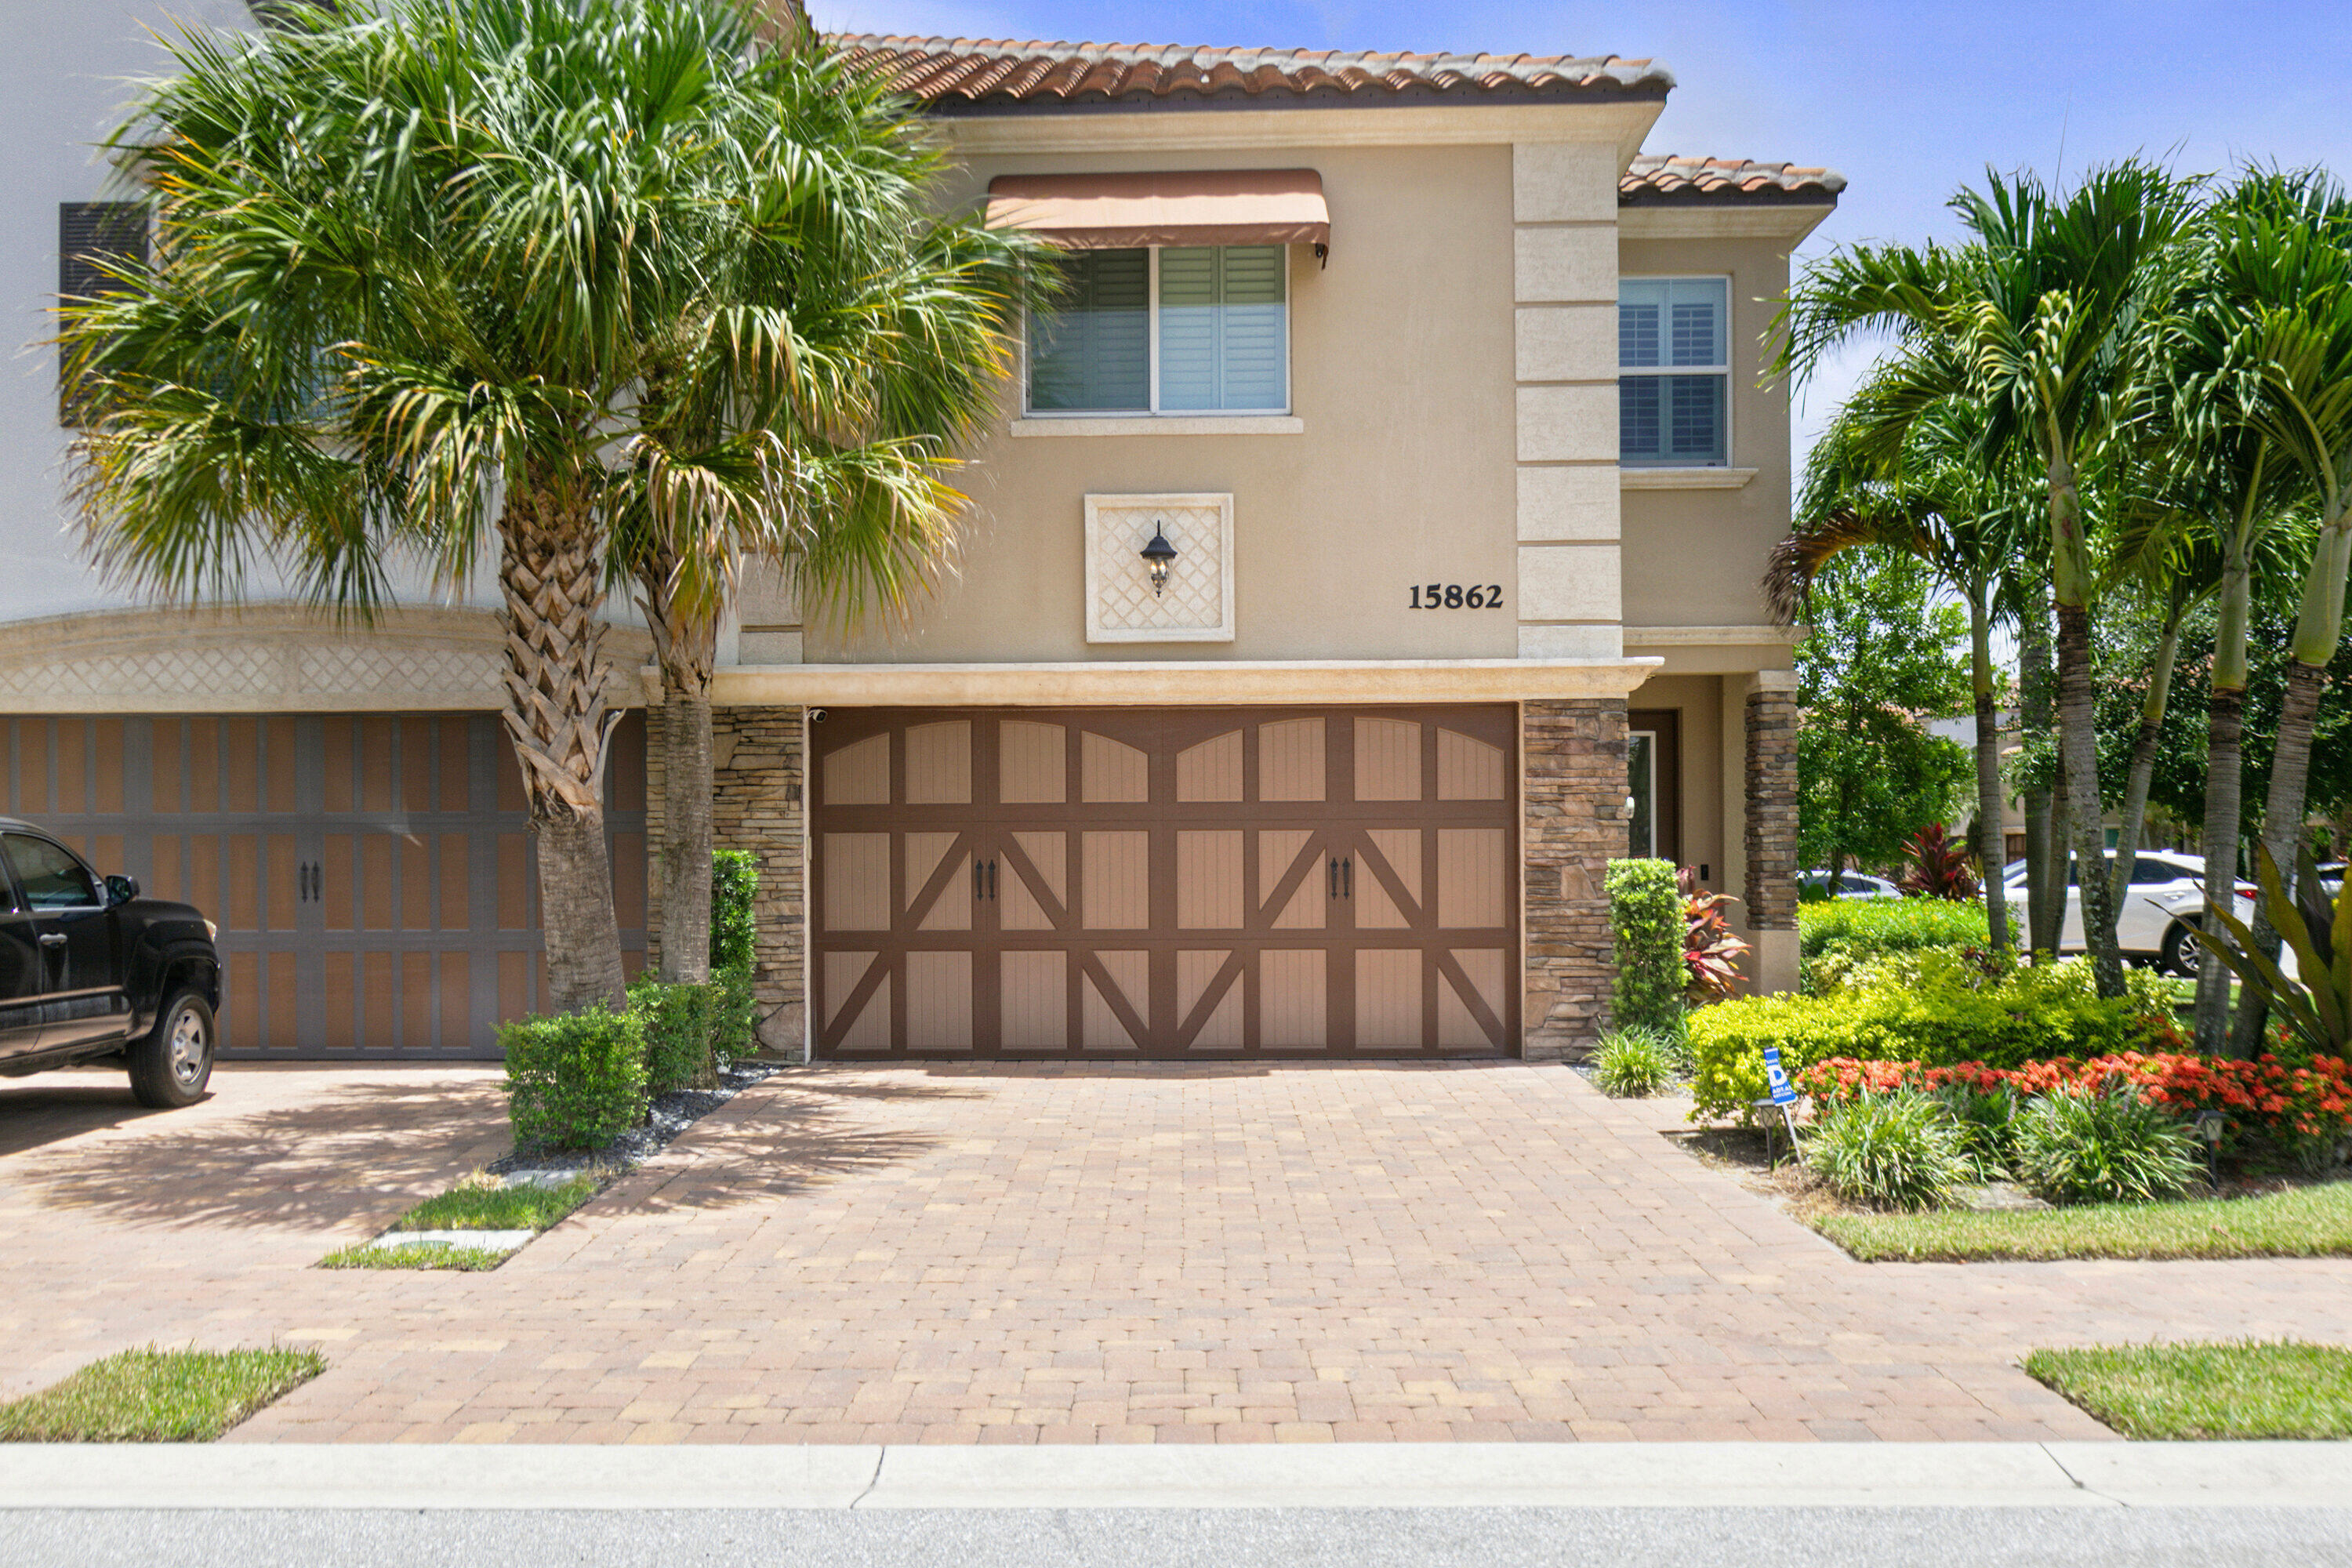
{"points": [[1906, 101]]}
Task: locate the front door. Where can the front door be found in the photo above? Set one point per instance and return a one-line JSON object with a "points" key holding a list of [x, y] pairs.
{"points": [[1165, 882]]}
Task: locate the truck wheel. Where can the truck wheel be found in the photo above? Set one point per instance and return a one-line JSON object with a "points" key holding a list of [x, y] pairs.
{"points": [[2181, 953], [171, 1064]]}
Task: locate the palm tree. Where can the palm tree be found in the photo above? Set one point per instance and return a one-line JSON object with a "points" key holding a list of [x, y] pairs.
{"points": [[413, 276], [2281, 269], [845, 340], [1934, 498], [2054, 308]]}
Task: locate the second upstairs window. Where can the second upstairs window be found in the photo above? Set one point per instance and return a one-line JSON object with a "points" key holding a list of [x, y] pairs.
{"points": [[1672, 371], [1168, 330]]}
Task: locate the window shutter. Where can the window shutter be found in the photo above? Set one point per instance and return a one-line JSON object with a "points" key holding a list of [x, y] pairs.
{"points": [[1093, 350], [1223, 342], [89, 236]]}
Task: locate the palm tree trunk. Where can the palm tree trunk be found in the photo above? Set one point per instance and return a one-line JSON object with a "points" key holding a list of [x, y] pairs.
{"points": [[1990, 858], [2045, 896], [687, 648], [2318, 626], [2224, 784], [2078, 748], [2143, 761], [2282, 814], [556, 716]]}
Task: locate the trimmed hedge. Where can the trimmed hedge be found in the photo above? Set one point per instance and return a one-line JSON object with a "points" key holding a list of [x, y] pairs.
{"points": [[1868, 928], [1646, 924], [734, 937], [677, 1019], [2031, 1015], [576, 1081]]}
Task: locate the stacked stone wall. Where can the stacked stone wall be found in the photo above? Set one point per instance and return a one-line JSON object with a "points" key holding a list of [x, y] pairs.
{"points": [[1573, 801], [1771, 830], [758, 768]]}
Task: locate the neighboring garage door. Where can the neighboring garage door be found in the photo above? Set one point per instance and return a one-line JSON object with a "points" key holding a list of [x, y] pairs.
{"points": [[1166, 882], [372, 875]]}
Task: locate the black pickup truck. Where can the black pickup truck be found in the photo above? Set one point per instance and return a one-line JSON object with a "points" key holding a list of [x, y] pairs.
{"points": [[89, 970]]}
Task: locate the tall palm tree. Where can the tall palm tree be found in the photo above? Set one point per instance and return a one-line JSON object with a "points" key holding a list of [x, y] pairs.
{"points": [[804, 410], [412, 274], [2055, 310], [2280, 266], [1932, 496]]}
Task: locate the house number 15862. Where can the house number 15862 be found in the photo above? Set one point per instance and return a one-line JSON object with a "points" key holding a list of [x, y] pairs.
{"points": [[1454, 596]]}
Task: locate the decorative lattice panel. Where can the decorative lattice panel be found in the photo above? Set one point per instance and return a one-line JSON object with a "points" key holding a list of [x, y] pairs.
{"points": [[1197, 603]]}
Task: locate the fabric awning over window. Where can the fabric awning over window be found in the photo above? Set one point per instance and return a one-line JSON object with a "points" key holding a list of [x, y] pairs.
{"points": [[1120, 211]]}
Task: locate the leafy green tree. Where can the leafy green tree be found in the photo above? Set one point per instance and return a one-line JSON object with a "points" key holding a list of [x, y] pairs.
{"points": [[1883, 658], [1891, 474], [503, 283]]}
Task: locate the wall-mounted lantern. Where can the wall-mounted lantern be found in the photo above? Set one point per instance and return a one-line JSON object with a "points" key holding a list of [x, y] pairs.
{"points": [[1157, 555]]}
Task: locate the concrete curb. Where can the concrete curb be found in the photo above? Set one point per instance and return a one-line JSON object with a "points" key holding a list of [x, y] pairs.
{"points": [[1368, 1474]]}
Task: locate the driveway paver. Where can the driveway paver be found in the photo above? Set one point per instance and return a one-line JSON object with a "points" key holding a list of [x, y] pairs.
{"points": [[1049, 1254]]}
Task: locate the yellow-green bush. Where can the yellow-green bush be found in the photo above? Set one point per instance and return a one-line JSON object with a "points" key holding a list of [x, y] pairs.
{"points": [[1920, 1011]]}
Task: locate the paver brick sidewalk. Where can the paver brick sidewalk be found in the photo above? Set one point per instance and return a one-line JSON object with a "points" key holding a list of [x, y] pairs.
{"points": [[1050, 1254]]}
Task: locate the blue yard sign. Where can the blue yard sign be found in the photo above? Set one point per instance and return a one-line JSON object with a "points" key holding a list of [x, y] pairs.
{"points": [[1776, 1078]]}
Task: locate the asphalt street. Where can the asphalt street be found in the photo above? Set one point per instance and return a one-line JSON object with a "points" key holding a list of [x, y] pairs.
{"points": [[1150, 1538]]}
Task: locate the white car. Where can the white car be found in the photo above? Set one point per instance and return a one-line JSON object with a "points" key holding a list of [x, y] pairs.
{"points": [[2162, 909], [1851, 885]]}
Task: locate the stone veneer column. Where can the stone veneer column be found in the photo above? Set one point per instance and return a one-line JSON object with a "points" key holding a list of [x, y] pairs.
{"points": [[1770, 808], [1572, 799], [757, 769], [1564, 252]]}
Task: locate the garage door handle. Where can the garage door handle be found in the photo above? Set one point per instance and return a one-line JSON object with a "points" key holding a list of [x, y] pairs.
{"points": [[1335, 876], [1347, 878], [991, 882]]}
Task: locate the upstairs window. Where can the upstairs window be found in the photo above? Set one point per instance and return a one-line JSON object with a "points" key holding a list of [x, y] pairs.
{"points": [[92, 237], [1168, 330], [1674, 371]]}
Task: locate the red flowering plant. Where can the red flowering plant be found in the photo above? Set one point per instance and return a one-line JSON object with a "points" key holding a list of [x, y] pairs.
{"points": [[2304, 1111], [1711, 953], [1940, 866]]}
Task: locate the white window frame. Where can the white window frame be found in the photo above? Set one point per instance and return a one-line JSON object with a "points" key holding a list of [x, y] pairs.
{"points": [[1151, 373], [1731, 444]]}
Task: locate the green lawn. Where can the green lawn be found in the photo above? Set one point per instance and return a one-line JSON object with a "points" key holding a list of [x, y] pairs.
{"points": [[416, 1255], [154, 1395], [498, 1208], [2198, 1391], [2306, 1222]]}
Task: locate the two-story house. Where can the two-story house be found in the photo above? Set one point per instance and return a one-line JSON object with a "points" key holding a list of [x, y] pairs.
{"points": [[1366, 553]]}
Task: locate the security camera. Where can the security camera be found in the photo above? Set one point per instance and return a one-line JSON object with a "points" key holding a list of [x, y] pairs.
{"points": [[817, 715]]}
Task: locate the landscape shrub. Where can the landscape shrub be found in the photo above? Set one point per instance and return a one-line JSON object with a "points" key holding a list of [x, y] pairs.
{"points": [[734, 938], [1839, 939], [676, 1021], [2102, 1144], [1646, 924], [2031, 1015], [1897, 1150], [1711, 954], [2302, 1111], [1987, 1119], [1633, 1064], [575, 1081]]}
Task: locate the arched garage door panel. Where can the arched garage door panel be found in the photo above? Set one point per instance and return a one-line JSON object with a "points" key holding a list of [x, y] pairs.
{"points": [[1174, 883]]}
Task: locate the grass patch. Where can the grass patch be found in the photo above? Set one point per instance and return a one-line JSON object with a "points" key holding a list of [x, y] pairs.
{"points": [[416, 1255], [154, 1395], [2201, 1391], [2303, 1222], [465, 1208]]}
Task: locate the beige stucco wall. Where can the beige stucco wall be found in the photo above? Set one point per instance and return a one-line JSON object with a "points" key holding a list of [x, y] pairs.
{"points": [[1693, 557], [1401, 376]]}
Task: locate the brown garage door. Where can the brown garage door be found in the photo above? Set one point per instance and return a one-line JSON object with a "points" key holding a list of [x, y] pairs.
{"points": [[1165, 882], [372, 875]]}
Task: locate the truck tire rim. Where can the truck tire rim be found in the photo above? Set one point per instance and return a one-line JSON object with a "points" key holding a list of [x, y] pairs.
{"points": [[189, 1049]]}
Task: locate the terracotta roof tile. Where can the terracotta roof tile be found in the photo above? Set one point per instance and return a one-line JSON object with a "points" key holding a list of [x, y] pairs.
{"points": [[1665, 180], [976, 75]]}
